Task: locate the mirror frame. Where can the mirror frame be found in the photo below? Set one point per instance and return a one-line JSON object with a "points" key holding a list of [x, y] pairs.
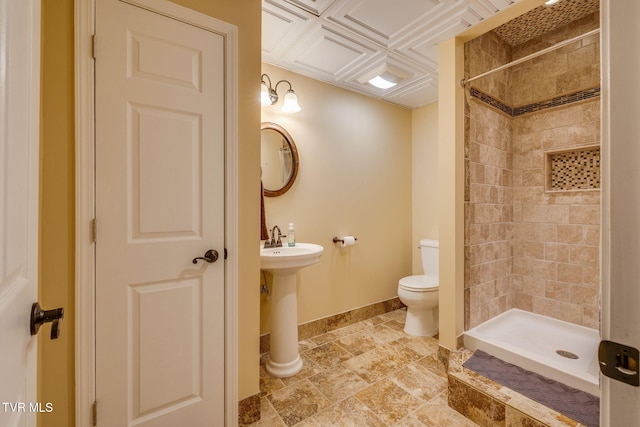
{"points": [[294, 161]]}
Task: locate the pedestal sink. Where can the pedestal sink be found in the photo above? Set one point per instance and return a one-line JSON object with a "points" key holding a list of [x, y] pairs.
{"points": [[283, 263]]}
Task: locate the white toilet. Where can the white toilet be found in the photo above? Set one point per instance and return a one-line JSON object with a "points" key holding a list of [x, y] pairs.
{"points": [[420, 294]]}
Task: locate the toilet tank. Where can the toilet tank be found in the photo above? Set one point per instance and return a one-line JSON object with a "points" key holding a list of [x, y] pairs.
{"points": [[429, 250]]}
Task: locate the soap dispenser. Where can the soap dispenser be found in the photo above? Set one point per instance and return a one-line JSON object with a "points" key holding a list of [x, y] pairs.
{"points": [[291, 235]]}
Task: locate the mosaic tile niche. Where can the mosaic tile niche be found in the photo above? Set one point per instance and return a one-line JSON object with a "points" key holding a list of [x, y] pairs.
{"points": [[573, 170]]}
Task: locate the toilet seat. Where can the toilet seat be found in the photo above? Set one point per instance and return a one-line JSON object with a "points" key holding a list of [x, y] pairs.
{"points": [[419, 283]]}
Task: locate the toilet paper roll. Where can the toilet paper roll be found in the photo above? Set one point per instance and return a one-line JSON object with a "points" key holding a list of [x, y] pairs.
{"points": [[347, 241]]}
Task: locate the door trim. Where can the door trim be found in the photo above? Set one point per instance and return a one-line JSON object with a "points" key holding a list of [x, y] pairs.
{"points": [[85, 199], [605, 203]]}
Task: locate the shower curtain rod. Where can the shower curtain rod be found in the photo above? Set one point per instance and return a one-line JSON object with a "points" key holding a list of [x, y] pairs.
{"points": [[463, 82]]}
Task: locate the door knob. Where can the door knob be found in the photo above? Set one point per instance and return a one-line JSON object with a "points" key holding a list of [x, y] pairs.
{"points": [[210, 256], [40, 316]]}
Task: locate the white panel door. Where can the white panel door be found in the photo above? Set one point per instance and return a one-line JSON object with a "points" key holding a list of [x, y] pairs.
{"points": [[19, 143], [159, 204]]}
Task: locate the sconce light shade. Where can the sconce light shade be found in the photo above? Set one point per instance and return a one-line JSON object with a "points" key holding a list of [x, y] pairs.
{"points": [[291, 102], [264, 95], [269, 96]]}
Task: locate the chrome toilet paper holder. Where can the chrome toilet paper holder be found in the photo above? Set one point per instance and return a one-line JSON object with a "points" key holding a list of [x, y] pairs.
{"points": [[339, 240]]}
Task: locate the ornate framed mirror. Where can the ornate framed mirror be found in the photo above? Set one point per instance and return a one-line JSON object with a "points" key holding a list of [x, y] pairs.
{"points": [[279, 159]]}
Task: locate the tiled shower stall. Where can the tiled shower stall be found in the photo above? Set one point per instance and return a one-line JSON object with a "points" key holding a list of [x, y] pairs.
{"points": [[532, 199]]}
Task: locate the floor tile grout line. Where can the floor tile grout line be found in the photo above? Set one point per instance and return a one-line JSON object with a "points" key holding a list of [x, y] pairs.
{"points": [[276, 412]]}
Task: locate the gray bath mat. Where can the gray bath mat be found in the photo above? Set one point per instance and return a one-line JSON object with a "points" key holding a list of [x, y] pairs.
{"points": [[575, 404]]}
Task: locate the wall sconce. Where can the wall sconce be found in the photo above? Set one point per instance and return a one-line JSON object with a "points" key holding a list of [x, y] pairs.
{"points": [[269, 96]]}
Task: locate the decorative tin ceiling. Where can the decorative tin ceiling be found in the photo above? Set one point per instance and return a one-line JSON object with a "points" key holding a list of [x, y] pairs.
{"points": [[545, 18], [346, 42]]}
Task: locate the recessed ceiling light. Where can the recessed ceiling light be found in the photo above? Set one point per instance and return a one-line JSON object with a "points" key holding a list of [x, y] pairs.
{"points": [[383, 76], [381, 83], [550, 2]]}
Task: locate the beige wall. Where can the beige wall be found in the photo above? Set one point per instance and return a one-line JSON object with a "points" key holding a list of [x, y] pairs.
{"points": [[354, 178], [424, 170], [56, 367], [57, 205], [451, 179]]}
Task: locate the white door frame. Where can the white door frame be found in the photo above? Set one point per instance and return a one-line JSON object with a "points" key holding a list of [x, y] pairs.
{"points": [[85, 199], [620, 200]]}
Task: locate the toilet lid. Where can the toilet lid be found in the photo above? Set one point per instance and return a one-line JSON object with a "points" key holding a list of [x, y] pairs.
{"points": [[419, 283]]}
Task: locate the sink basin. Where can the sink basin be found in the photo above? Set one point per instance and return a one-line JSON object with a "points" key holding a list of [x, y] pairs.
{"points": [[289, 258], [284, 359]]}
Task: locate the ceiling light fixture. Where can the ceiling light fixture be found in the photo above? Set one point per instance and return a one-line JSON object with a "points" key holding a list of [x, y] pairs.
{"points": [[551, 2], [383, 76], [381, 82], [269, 95]]}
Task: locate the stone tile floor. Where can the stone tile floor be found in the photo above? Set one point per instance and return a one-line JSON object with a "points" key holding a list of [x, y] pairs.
{"points": [[367, 374]]}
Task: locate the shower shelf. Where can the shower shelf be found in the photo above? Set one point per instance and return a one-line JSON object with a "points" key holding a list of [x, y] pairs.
{"points": [[572, 169]]}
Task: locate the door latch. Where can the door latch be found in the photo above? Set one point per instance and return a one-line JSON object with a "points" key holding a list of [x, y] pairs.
{"points": [[40, 317], [619, 362]]}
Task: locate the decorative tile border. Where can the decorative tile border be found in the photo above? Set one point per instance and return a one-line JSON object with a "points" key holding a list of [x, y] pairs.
{"points": [[330, 323], [537, 106], [557, 101], [491, 101]]}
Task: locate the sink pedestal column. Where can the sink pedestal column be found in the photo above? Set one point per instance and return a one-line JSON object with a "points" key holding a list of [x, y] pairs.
{"points": [[284, 360]]}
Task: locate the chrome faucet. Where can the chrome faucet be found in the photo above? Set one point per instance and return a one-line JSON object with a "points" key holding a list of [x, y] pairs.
{"points": [[273, 243]]}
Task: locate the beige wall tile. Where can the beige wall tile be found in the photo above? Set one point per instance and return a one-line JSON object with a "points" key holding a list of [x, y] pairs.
{"points": [[537, 232], [533, 285], [591, 276], [523, 161], [545, 306], [556, 252], [555, 138], [585, 214], [558, 291], [533, 178], [571, 312], [584, 255], [570, 115], [591, 316], [568, 82], [583, 57], [570, 233], [583, 133], [529, 249], [584, 296], [569, 273], [591, 235], [557, 214], [544, 269], [523, 301]]}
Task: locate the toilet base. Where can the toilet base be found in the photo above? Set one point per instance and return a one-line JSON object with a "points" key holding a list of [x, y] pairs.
{"points": [[421, 323]]}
